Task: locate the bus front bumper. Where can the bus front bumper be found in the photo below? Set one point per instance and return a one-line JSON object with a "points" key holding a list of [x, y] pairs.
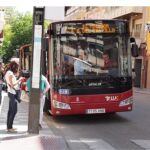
{"points": [[92, 108]]}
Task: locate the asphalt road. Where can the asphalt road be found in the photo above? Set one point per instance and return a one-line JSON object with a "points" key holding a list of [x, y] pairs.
{"points": [[122, 131]]}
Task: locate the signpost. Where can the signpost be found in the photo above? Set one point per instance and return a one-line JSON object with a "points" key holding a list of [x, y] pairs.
{"points": [[148, 27], [34, 105]]}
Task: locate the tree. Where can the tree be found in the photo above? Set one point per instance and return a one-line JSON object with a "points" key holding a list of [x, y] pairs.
{"points": [[22, 30], [16, 34], [6, 43]]}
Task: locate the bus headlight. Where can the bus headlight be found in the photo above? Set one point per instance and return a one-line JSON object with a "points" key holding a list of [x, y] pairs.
{"points": [[126, 102], [57, 104]]}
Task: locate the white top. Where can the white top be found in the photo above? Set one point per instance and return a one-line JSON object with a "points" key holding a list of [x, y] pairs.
{"points": [[7, 75], [47, 84]]}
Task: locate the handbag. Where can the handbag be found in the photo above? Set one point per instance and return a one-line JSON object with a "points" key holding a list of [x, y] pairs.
{"points": [[4, 86], [18, 95]]}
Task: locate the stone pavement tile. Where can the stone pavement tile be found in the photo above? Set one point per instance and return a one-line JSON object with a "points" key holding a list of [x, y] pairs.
{"points": [[4, 94], [21, 132], [22, 140], [35, 143]]}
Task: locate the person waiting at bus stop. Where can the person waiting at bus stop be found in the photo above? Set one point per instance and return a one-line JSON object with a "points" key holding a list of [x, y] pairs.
{"points": [[13, 85], [44, 87]]}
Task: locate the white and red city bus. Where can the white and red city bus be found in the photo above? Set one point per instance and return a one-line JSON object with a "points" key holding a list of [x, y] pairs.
{"points": [[89, 67]]}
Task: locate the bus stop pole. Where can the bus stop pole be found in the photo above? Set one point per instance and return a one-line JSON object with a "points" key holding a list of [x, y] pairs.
{"points": [[37, 38]]}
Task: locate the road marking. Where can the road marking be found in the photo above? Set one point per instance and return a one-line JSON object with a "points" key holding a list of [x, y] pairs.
{"points": [[89, 144], [76, 144], [97, 144], [142, 143]]}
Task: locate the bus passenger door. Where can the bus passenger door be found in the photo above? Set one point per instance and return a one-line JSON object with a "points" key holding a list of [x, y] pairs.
{"points": [[45, 71]]}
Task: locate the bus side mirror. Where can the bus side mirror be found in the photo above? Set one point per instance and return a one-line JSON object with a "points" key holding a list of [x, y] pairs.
{"points": [[134, 50], [134, 47]]}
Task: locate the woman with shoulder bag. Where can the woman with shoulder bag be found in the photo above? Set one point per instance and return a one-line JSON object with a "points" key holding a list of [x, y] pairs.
{"points": [[13, 85]]}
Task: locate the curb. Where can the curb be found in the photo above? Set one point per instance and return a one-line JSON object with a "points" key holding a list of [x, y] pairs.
{"points": [[142, 91]]}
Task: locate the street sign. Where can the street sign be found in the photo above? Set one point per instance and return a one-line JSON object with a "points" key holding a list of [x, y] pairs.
{"points": [[37, 56], [147, 26]]}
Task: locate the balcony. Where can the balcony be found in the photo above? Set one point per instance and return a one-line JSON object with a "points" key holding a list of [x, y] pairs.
{"points": [[118, 12], [71, 10]]}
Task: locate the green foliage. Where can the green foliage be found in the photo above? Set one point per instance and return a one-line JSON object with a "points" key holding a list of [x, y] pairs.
{"points": [[7, 38], [46, 24], [17, 33], [22, 30]]}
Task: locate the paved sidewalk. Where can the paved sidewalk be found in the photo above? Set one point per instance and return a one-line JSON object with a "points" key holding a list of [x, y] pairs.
{"points": [[21, 140], [141, 90]]}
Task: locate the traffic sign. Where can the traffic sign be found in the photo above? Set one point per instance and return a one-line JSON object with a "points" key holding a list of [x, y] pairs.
{"points": [[147, 26]]}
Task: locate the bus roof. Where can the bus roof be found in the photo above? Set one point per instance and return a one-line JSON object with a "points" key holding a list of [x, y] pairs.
{"points": [[98, 26], [90, 20]]}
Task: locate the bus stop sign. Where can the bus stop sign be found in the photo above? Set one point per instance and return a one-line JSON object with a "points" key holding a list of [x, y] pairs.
{"points": [[148, 27]]}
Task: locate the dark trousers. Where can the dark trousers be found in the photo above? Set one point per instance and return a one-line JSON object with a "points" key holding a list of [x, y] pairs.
{"points": [[12, 110], [0, 93]]}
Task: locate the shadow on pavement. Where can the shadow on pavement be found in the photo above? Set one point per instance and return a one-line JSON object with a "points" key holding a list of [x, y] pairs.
{"points": [[90, 119], [12, 136]]}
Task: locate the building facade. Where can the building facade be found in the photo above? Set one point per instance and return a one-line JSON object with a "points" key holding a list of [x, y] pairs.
{"points": [[147, 16], [137, 18], [2, 22]]}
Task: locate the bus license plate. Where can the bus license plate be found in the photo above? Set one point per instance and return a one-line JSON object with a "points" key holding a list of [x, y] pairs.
{"points": [[95, 111]]}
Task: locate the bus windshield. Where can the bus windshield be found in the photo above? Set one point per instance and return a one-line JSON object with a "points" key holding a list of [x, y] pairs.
{"points": [[91, 57]]}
